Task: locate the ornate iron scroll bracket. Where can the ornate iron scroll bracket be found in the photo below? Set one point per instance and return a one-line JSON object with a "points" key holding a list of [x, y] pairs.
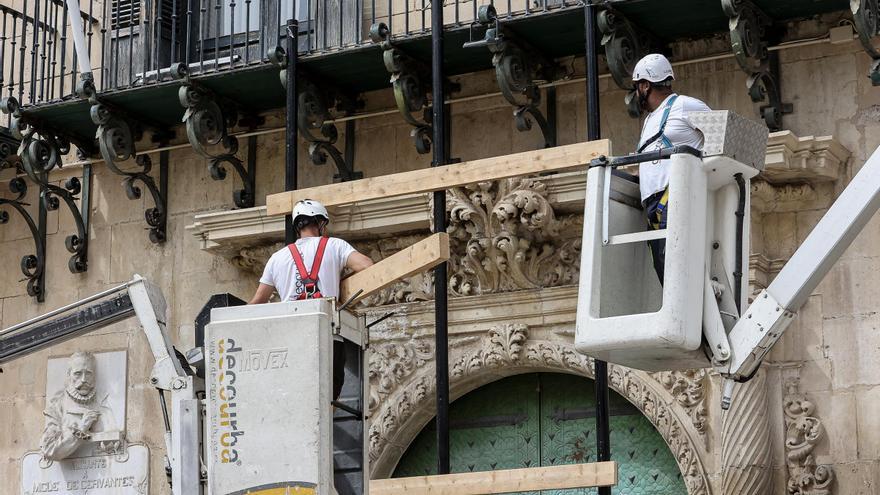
{"points": [[624, 45], [116, 141], [314, 115], [748, 32], [518, 69], [33, 266], [410, 81], [40, 151], [865, 14], [207, 128]]}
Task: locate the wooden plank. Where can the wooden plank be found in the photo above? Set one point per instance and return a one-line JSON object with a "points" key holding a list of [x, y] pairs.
{"points": [[502, 481], [419, 257], [435, 179]]}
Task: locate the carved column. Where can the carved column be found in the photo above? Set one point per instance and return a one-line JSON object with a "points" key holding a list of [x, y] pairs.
{"points": [[745, 440]]}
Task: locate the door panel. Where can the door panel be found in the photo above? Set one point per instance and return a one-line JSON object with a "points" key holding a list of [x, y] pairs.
{"points": [[544, 419]]}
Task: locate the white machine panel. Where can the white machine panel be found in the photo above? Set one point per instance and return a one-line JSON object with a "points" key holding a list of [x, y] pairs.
{"points": [[269, 385]]}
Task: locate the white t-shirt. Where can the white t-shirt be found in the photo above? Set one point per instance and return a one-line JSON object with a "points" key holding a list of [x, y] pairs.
{"points": [[282, 274], [654, 176]]}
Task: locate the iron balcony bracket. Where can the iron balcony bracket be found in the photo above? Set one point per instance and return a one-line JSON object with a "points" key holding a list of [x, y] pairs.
{"points": [[625, 44], [410, 80], [33, 266], [208, 119], [116, 142], [313, 114], [865, 14], [519, 68], [40, 151], [748, 38]]}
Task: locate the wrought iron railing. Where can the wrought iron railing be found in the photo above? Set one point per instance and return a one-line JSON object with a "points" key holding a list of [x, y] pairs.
{"points": [[36, 50], [141, 42]]}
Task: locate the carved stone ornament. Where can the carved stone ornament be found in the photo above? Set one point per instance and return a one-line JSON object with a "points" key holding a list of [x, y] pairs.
{"points": [[80, 414], [802, 432], [505, 235], [402, 380], [746, 465], [689, 389]]}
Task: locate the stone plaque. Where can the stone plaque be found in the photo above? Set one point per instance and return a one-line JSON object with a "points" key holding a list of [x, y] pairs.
{"points": [[85, 405], [124, 474]]}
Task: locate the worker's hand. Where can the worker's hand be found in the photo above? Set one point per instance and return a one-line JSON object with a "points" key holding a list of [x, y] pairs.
{"points": [[88, 420]]}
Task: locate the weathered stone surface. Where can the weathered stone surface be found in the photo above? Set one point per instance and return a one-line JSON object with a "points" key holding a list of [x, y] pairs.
{"points": [[832, 347]]}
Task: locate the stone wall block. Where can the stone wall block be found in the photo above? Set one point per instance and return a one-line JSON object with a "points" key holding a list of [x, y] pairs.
{"points": [[131, 252], [849, 290], [867, 431], [110, 204], [853, 344], [191, 187]]}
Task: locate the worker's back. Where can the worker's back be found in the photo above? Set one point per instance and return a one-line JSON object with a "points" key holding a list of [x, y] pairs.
{"points": [[281, 271]]}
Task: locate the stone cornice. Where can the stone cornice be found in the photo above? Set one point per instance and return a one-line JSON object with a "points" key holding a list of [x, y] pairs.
{"points": [[226, 232], [792, 159], [793, 166]]}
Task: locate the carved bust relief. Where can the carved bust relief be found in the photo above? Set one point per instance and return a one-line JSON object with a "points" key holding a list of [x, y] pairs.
{"points": [[83, 404]]}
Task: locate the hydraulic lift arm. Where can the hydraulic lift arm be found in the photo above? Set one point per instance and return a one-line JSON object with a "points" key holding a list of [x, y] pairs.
{"points": [[775, 307], [134, 298]]}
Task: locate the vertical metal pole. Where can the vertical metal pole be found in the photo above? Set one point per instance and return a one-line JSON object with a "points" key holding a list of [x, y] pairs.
{"points": [[440, 278], [291, 131], [603, 427], [85, 207], [41, 229]]}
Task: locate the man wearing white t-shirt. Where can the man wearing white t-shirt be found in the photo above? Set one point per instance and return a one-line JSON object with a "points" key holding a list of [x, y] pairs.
{"points": [[311, 268], [310, 220], [665, 126]]}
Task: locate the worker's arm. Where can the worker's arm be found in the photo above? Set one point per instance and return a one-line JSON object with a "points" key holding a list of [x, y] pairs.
{"points": [[357, 262], [264, 292]]}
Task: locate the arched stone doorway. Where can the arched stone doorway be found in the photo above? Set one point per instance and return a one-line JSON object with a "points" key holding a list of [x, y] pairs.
{"points": [[543, 419]]}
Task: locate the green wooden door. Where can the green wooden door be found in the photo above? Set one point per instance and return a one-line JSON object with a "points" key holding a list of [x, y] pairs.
{"points": [[544, 419]]}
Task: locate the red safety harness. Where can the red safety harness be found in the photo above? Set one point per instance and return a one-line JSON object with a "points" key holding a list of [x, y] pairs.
{"points": [[310, 279]]}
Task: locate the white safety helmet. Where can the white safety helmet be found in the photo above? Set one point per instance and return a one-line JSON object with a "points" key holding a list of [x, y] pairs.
{"points": [[309, 208], [653, 68]]}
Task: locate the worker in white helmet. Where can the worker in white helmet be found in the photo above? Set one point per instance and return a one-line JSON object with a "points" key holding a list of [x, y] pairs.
{"points": [[312, 266], [666, 125]]}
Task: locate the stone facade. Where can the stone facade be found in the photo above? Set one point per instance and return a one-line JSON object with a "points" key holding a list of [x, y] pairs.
{"points": [[806, 425]]}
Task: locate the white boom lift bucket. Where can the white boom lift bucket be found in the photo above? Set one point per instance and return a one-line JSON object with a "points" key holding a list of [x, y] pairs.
{"points": [[270, 427], [624, 315]]}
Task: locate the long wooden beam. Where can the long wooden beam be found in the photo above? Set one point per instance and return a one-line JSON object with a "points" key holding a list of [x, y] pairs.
{"points": [[437, 178], [419, 257], [502, 481]]}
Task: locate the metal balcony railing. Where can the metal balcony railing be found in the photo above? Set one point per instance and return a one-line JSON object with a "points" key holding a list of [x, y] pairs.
{"points": [[133, 43], [36, 50]]}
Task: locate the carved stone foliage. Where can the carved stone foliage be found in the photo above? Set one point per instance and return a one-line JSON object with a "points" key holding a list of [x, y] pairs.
{"points": [[403, 378], [689, 389], [802, 432], [254, 259], [391, 364], [506, 236]]}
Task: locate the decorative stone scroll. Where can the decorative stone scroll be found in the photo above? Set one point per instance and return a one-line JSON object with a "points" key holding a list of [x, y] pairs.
{"points": [[802, 432]]}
